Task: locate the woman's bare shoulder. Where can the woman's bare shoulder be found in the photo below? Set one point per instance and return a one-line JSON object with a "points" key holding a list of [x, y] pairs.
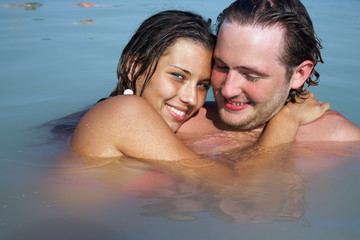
{"points": [[127, 125], [119, 104], [97, 134]]}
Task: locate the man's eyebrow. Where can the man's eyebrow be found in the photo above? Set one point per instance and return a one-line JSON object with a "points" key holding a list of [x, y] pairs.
{"points": [[219, 60], [182, 69], [253, 70], [246, 68]]}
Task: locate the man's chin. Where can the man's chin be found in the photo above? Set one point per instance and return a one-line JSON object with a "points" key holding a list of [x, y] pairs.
{"points": [[244, 124], [238, 124]]}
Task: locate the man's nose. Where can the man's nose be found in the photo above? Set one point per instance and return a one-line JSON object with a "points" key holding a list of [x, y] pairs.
{"points": [[231, 86]]}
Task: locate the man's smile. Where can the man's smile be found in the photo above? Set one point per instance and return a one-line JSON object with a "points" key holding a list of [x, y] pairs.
{"points": [[235, 105]]}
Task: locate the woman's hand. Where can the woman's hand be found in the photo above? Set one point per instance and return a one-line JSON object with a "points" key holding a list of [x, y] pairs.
{"points": [[306, 110], [283, 126]]}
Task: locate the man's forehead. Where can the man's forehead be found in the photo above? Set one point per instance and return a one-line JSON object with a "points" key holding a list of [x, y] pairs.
{"points": [[250, 44], [233, 34], [277, 28]]}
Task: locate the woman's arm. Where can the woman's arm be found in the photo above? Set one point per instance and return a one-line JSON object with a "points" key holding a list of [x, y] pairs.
{"points": [[283, 126], [127, 126]]}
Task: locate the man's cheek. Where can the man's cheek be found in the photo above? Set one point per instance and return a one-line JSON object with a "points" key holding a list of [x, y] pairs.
{"points": [[259, 92], [217, 78]]}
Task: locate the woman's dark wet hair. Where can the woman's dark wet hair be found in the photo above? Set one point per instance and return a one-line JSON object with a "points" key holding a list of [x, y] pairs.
{"points": [[154, 36], [142, 53]]}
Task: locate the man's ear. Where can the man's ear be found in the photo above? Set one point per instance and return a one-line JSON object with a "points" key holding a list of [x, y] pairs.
{"points": [[301, 73]]}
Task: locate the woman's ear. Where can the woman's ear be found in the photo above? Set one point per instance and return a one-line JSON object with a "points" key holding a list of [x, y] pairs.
{"points": [[301, 74], [130, 65]]}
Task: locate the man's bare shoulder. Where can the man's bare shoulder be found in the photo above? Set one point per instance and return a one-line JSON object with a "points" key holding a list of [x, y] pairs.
{"points": [[332, 126]]}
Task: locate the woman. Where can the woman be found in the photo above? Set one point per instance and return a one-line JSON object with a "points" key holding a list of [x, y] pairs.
{"points": [[167, 66]]}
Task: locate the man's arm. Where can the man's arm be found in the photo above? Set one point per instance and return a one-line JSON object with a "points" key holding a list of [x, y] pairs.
{"points": [[129, 126]]}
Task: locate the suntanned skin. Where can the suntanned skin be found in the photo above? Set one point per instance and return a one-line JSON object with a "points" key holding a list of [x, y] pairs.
{"points": [[250, 87], [143, 127], [332, 126], [129, 126]]}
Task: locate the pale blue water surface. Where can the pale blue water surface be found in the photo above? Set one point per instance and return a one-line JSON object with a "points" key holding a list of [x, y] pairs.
{"points": [[57, 57]]}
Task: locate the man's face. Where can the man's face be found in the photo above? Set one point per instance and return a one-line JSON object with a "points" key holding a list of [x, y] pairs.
{"points": [[249, 82]]}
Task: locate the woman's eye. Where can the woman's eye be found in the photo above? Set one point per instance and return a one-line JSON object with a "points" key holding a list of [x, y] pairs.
{"points": [[178, 76], [206, 86]]}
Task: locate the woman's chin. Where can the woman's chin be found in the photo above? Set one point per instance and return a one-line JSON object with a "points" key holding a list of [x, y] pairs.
{"points": [[174, 126]]}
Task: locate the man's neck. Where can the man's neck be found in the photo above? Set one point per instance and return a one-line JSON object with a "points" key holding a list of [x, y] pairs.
{"points": [[207, 121]]}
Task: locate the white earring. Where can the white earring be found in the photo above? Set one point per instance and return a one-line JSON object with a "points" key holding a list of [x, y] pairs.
{"points": [[128, 92]]}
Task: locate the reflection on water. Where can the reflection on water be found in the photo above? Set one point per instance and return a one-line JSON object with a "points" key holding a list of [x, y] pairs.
{"points": [[256, 191], [256, 194], [85, 21], [85, 4], [66, 228], [312, 194], [112, 194], [24, 6]]}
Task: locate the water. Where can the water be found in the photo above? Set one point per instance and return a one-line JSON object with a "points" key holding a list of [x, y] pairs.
{"points": [[61, 57]]}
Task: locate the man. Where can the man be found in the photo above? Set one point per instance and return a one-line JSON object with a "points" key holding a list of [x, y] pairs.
{"points": [[266, 50], [264, 54]]}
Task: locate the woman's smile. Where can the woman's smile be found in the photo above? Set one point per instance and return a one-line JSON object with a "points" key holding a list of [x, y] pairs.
{"points": [[180, 82], [177, 113]]}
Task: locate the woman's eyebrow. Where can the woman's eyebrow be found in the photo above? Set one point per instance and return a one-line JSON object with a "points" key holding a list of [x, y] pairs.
{"points": [[182, 69]]}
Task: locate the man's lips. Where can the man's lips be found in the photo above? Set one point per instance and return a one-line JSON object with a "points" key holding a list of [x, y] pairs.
{"points": [[235, 105], [178, 114]]}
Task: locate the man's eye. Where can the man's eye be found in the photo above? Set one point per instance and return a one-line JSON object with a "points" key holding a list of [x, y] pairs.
{"points": [[251, 77], [221, 68]]}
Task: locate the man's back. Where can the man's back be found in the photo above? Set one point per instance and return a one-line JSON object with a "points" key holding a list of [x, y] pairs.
{"points": [[331, 127]]}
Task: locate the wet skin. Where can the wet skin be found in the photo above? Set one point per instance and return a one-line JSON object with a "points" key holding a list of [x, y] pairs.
{"points": [[248, 80], [179, 85]]}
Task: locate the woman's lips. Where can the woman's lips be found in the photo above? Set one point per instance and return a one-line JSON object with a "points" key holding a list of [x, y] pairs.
{"points": [[178, 114]]}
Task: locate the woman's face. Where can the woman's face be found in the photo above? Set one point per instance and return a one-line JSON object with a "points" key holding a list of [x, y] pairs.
{"points": [[179, 85]]}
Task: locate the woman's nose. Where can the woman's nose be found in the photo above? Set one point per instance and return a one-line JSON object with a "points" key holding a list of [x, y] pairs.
{"points": [[188, 94]]}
